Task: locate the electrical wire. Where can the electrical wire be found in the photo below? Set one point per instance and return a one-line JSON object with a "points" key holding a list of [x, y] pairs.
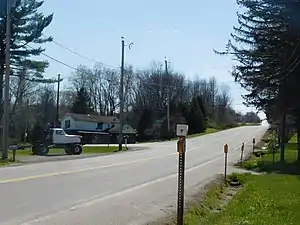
{"points": [[60, 62], [81, 55]]}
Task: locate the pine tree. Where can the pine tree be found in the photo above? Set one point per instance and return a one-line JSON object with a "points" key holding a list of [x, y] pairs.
{"points": [[27, 26], [82, 103], [196, 116], [266, 47]]}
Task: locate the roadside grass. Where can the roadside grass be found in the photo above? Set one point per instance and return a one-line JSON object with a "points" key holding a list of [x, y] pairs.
{"points": [[264, 200], [60, 151], [207, 131], [271, 198], [270, 162], [8, 162]]}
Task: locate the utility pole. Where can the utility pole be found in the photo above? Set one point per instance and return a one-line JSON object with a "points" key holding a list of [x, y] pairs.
{"points": [[168, 97], [121, 95], [9, 5], [122, 91], [57, 100], [26, 120]]}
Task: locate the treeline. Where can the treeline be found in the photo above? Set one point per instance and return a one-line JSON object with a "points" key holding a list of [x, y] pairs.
{"points": [[266, 45], [200, 103]]}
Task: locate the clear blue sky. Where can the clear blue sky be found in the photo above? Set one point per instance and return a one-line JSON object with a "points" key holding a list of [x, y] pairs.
{"points": [[184, 31]]}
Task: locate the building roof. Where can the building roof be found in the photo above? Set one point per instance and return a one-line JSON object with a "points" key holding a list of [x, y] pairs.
{"points": [[127, 129], [93, 118]]}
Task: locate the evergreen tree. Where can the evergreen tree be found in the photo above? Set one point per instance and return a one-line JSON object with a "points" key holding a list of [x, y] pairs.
{"points": [[266, 47], [196, 116], [27, 26], [82, 103], [144, 123]]}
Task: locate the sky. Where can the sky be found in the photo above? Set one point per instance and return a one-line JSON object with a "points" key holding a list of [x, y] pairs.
{"points": [[186, 32]]}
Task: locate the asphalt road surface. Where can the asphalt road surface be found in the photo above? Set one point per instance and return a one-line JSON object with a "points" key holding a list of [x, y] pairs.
{"points": [[133, 187]]}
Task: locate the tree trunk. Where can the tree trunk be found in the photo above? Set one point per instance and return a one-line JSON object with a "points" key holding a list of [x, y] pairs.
{"points": [[282, 135], [278, 135], [298, 136]]}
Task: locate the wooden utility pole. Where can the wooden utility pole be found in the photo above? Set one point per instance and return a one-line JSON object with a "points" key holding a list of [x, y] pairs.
{"points": [[9, 5], [121, 95], [168, 98], [57, 99]]}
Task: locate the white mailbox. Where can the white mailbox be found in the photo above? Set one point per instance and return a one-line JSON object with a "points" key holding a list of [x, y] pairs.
{"points": [[182, 130]]}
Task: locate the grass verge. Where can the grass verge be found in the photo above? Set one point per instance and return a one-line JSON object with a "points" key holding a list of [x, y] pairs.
{"points": [[270, 162], [207, 131], [8, 162], [59, 151], [264, 200], [271, 198]]}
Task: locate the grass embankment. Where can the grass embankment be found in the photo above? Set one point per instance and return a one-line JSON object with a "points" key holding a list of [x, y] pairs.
{"points": [[271, 198], [86, 150], [58, 152], [207, 131]]}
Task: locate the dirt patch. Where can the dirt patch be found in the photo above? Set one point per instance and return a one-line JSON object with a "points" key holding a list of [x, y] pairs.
{"points": [[225, 198]]}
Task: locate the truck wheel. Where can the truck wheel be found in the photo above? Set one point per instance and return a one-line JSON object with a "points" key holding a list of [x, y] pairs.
{"points": [[44, 150], [76, 149], [68, 150]]}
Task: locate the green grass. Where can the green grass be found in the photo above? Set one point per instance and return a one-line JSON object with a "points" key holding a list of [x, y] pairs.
{"points": [[86, 150], [102, 149], [268, 199], [265, 200], [207, 131], [8, 163], [266, 164]]}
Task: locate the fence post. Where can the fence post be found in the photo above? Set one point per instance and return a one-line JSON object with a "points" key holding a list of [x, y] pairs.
{"points": [[226, 157], [242, 152], [253, 145]]}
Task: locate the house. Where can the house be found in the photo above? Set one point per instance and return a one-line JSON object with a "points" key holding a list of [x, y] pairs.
{"points": [[95, 128], [88, 122]]}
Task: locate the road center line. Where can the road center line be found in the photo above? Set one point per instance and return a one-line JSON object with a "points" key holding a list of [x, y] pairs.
{"points": [[45, 175], [97, 199]]}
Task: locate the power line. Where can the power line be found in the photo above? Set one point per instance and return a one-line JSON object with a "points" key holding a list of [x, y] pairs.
{"points": [[81, 55], [60, 62]]}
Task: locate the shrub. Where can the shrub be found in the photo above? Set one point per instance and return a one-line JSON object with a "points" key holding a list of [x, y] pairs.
{"points": [[238, 177]]}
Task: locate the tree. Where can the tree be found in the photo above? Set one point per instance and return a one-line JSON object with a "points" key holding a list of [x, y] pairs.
{"points": [[196, 116], [27, 28], [102, 86], [251, 117], [144, 123], [265, 45], [45, 106], [82, 103]]}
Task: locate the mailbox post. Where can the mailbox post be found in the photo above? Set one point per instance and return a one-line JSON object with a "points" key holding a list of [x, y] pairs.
{"points": [[181, 132]]}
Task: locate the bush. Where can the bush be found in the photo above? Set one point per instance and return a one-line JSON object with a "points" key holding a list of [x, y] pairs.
{"points": [[238, 177], [252, 164]]}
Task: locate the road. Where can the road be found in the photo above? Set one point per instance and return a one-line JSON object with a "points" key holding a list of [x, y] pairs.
{"points": [[133, 187]]}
